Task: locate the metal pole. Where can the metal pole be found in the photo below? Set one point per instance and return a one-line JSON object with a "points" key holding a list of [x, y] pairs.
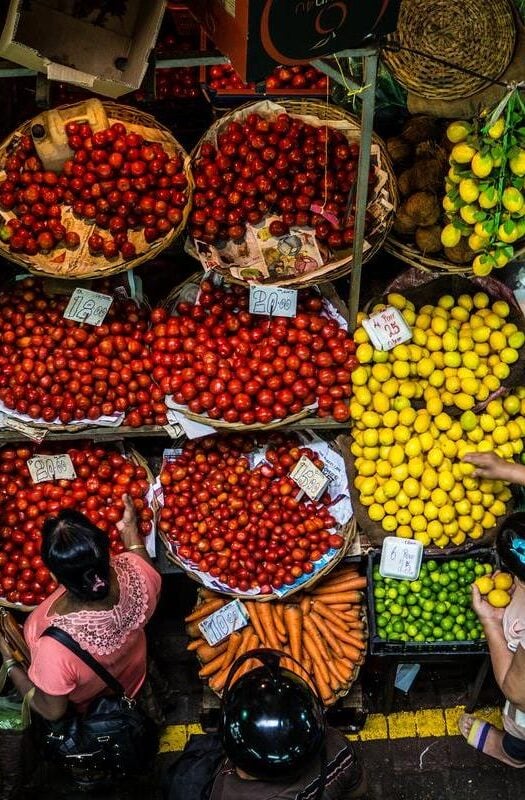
{"points": [[367, 121]]}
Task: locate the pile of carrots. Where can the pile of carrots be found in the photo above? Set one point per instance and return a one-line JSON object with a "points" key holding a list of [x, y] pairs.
{"points": [[322, 628]]}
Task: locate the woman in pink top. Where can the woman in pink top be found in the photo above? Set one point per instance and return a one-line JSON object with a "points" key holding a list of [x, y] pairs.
{"points": [[102, 603], [504, 629]]}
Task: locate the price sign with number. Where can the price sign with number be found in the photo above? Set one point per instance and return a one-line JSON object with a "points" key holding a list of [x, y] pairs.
{"points": [[387, 328], [88, 306], [273, 301], [309, 478], [221, 623], [401, 558], [50, 468]]}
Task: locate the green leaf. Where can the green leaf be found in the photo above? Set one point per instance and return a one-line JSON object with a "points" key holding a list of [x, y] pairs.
{"points": [[457, 223], [496, 151], [508, 226], [491, 193], [508, 250], [490, 225], [480, 216]]}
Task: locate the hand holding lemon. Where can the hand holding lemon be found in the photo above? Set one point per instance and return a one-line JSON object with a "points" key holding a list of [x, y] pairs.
{"points": [[487, 613], [492, 467]]}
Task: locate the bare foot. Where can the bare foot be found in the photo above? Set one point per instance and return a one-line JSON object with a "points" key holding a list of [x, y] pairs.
{"points": [[492, 746]]}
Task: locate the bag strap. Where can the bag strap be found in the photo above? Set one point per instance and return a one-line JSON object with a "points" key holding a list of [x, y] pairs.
{"points": [[67, 641]]}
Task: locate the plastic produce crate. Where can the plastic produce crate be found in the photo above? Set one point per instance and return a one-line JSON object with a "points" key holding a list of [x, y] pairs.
{"points": [[383, 647]]}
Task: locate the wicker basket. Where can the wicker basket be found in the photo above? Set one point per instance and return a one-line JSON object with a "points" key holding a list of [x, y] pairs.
{"points": [[409, 253], [376, 534], [80, 264], [348, 531], [341, 265], [339, 693], [478, 35], [137, 459], [187, 290]]}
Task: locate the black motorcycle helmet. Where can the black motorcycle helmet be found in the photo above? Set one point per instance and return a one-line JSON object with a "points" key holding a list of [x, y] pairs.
{"points": [[272, 724]]}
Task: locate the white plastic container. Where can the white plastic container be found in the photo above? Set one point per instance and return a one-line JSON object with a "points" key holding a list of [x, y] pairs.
{"points": [[49, 134], [401, 558]]}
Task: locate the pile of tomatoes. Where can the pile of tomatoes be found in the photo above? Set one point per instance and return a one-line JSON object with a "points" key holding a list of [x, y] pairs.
{"points": [[300, 77], [282, 166], [57, 370], [218, 359], [114, 179], [103, 476], [244, 527]]}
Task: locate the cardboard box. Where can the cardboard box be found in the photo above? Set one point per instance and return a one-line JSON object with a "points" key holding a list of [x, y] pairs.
{"points": [[103, 52], [259, 34]]}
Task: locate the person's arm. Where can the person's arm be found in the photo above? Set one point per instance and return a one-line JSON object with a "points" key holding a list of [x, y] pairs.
{"points": [[492, 467], [492, 622], [513, 688], [48, 706], [131, 538]]}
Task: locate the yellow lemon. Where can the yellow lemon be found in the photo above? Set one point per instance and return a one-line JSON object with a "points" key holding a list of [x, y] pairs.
{"points": [[509, 355], [498, 598], [371, 419], [415, 467], [463, 153], [389, 523], [481, 165], [508, 232], [497, 130], [435, 457], [419, 524], [359, 376], [365, 353], [425, 367], [503, 581], [435, 529], [391, 488], [458, 131], [429, 479], [485, 584], [517, 164], [468, 214], [517, 340], [450, 236], [391, 507], [380, 403], [488, 198], [512, 199], [469, 190], [396, 300], [376, 512], [446, 515]]}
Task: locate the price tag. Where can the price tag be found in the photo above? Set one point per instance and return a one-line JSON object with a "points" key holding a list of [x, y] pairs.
{"points": [[36, 434], [387, 328], [50, 468], [401, 558], [88, 306], [221, 623], [272, 301], [309, 478]]}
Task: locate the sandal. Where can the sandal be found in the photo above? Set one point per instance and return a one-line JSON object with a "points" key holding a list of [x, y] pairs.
{"points": [[477, 737]]}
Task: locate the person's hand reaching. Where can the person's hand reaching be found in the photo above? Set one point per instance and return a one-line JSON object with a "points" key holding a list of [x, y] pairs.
{"points": [[491, 466], [127, 526], [487, 614]]}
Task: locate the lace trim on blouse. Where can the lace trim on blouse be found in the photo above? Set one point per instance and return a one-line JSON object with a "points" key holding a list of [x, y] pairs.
{"points": [[104, 632]]}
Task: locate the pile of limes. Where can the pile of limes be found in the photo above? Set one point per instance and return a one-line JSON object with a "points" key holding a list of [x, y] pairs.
{"points": [[485, 200], [435, 607], [496, 588], [408, 460]]}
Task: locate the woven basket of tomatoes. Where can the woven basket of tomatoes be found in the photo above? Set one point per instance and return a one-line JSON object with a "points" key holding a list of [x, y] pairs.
{"points": [[273, 182], [235, 521], [121, 194], [323, 628], [102, 476], [222, 366], [57, 373]]}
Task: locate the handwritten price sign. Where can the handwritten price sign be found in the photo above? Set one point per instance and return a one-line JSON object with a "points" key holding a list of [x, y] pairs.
{"points": [[221, 623], [272, 301], [51, 468], [88, 306], [309, 478], [401, 558], [387, 328]]}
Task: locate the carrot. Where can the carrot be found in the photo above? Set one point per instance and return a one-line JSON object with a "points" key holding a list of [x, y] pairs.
{"points": [[264, 612], [342, 635], [293, 620], [251, 607], [305, 604], [326, 612], [336, 672], [247, 634], [232, 647], [345, 668], [195, 644], [337, 606], [356, 640], [208, 594], [323, 684], [351, 652], [204, 609], [331, 583], [212, 666], [355, 625], [326, 633], [315, 655], [356, 582], [207, 653], [342, 597], [278, 618], [193, 631], [313, 633]]}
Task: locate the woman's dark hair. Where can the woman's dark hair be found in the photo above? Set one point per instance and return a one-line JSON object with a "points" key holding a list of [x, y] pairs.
{"points": [[510, 544], [77, 553]]}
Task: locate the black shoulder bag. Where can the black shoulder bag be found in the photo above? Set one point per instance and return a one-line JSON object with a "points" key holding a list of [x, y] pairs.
{"points": [[113, 735]]}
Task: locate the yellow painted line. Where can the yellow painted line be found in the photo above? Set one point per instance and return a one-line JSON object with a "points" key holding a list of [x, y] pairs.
{"points": [[428, 722]]}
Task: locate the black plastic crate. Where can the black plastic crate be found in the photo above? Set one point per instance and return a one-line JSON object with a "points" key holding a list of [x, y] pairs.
{"points": [[382, 647]]}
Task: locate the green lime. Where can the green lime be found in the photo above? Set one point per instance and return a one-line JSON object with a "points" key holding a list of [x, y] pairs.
{"points": [[383, 620], [404, 588], [473, 634], [395, 609], [462, 569], [380, 607], [449, 637], [412, 600], [469, 563], [391, 594], [435, 576], [460, 619], [489, 569], [415, 586], [453, 586], [444, 579], [419, 638], [454, 564], [432, 565], [447, 623], [442, 596], [415, 611], [427, 615], [429, 605], [479, 569], [441, 609], [425, 592], [437, 632], [426, 630], [460, 634], [398, 626], [379, 592]]}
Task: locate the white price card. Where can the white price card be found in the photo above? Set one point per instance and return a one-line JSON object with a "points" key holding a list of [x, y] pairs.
{"points": [[226, 620], [401, 558], [273, 301], [309, 478], [387, 328], [88, 306], [51, 468]]}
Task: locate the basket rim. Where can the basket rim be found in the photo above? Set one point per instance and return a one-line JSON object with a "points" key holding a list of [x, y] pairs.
{"points": [[302, 107], [153, 249]]}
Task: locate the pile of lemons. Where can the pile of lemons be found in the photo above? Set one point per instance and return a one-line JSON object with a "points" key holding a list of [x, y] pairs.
{"points": [[485, 200], [496, 588], [408, 456]]}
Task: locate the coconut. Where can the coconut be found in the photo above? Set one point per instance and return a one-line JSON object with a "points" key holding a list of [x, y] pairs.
{"points": [[404, 182], [429, 239], [419, 129], [427, 175], [398, 149], [403, 224], [461, 253], [423, 208]]}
